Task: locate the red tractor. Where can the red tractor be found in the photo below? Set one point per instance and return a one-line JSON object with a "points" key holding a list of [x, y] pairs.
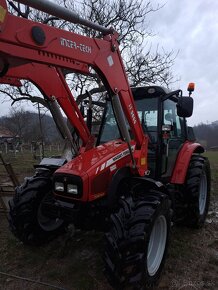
{"points": [[144, 172]]}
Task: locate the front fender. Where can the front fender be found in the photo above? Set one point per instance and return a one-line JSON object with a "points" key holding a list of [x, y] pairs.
{"points": [[118, 177], [183, 159]]}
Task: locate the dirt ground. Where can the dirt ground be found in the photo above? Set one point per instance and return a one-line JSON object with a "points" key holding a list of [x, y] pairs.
{"points": [[73, 261]]}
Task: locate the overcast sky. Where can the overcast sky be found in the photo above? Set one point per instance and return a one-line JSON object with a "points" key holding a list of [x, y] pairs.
{"points": [[189, 27]]}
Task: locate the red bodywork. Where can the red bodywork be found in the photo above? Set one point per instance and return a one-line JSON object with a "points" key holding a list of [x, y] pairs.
{"points": [[183, 159], [97, 166], [12, 81]]}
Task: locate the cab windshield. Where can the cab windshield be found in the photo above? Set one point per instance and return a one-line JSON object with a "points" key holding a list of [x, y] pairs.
{"points": [[147, 108]]}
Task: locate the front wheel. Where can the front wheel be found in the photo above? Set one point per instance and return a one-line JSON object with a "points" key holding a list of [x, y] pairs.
{"points": [[137, 243], [157, 245], [27, 220]]}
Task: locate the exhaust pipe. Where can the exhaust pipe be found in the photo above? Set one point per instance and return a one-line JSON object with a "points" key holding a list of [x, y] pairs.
{"points": [[63, 13]]}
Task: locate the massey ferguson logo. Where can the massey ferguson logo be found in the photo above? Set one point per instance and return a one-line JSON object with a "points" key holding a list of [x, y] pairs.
{"points": [[72, 44], [111, 162]]}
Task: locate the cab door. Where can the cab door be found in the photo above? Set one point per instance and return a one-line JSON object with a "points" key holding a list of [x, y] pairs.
{"points": [[173, 136]]}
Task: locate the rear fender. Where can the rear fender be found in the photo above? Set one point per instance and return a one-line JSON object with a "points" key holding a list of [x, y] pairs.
{"points": [[183, 160]]}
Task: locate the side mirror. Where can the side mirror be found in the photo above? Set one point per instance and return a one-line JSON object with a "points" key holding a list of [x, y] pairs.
{"points": [[185, 107]]}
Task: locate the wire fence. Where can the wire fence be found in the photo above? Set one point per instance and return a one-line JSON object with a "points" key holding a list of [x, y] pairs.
{"points": [[37, 149]]}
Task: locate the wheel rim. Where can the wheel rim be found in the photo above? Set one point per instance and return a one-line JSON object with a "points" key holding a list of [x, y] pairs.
{"points": [[46, 223], [157, 244], [202, 194]]}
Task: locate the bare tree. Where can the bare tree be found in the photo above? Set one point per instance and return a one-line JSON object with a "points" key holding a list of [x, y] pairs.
{"points": [[17, 122], [143, 65], [28, 92], [26, 125]]}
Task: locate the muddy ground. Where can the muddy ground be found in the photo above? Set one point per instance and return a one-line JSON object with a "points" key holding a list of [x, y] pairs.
{"points": [[73, 261]]}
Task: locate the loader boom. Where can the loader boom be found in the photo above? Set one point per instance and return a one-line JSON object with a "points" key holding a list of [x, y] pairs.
{"points": [[24, 41], [51, 82], [12, 81]]}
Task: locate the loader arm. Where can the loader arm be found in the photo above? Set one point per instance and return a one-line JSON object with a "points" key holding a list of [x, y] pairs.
{"points": [[23, 41], [51, 82], [12, 81]]}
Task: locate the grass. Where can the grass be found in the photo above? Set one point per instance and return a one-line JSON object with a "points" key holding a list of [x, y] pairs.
{"points": [[213, 157], [23, 163]]}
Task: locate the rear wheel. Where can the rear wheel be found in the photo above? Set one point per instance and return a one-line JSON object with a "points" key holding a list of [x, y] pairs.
{"points": [[26, 218], [137, 242], [197, 191]]}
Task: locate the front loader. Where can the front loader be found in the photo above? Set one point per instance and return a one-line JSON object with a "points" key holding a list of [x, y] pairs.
{"points": [[144, 173]]}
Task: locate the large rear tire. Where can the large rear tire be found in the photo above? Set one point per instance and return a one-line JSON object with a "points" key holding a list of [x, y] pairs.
{"points": [[197, 191], [136, 245], [26, 218]]}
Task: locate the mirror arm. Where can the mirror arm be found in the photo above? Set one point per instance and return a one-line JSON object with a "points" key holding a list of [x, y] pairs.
{"points": [[174, 94]]}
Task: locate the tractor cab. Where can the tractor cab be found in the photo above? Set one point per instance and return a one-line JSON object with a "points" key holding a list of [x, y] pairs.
{"points": [[162, 114]]}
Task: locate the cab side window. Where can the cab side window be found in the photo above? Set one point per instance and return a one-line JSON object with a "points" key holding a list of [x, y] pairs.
{"points": [[171, 118]]}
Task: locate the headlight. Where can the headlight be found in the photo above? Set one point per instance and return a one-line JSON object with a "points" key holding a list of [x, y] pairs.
{"points": [[72, 188], [67, 185], [59, 186]]}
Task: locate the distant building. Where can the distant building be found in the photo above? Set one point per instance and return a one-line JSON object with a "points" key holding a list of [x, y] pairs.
{"points": [[5, 134], [8, 140]]}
